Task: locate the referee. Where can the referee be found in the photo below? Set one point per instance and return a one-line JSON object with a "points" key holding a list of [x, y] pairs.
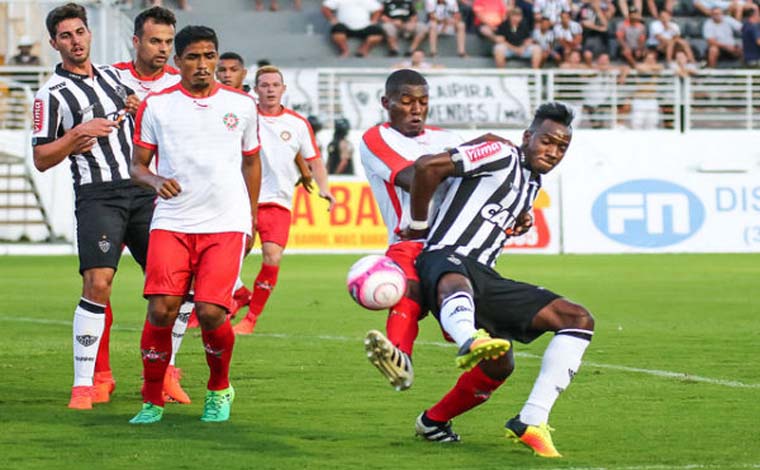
{"points": [[81, 113]]}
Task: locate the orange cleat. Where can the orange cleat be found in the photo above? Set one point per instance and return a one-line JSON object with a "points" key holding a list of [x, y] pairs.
{"points": [[242, 297], [103, 387], [246, 325], [172, 389], [537, 438], [81, 397]]}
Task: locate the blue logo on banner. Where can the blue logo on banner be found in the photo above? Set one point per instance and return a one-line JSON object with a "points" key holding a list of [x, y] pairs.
{"points": [[648, 213]]}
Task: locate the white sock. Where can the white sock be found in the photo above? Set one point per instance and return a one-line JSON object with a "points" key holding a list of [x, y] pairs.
{"points": [[238, 284], [89, 321], [458, 317], [560, 363], [180, 326]]}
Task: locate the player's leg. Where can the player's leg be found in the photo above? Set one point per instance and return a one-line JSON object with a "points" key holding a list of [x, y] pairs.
{"points": [[103, 381], [172, 389], [214, 285], [574, 327], [167, 279], [392, 355], [273, 227]]}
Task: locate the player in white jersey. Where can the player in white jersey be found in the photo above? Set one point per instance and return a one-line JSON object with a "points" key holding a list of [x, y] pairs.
{"points": [[388, 152], [285, 136], [493, 184], [209, 176]]}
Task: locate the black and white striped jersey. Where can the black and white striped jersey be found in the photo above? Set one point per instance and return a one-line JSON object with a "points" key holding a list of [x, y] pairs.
{"points": [[492, 185], [68, 99]]}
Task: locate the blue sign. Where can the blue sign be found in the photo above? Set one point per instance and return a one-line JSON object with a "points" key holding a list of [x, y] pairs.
{"points": [[648, 213]]}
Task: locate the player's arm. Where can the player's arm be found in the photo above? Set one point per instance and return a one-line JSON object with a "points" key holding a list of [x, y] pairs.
{"points": [[306, 173], [319, 171], [139, 171], [429, 171], [79, 139]]}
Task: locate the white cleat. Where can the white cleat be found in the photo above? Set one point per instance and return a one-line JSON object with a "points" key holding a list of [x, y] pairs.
{"points": [[392, 362]]}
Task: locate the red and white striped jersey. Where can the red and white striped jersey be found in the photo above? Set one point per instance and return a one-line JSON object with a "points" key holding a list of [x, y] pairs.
{"points": [[144, 85]]}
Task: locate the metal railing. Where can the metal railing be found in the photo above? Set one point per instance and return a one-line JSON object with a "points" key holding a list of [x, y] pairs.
{"points": [[15, 105]]}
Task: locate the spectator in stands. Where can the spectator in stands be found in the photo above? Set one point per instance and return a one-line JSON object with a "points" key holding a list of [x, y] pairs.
{"points": [[649, 65], [513, 40], [274, 6], [444, 18], [488, 15], [655, 6], [732, 7], [354, 19], [417, 61], [574, 61], [340, 151], [631, 37], [604, 64], [608, 8], [595, 29], [625, 10], [543, 36], [181, 4], [719, 31], [25, 56], [399, 17], [568, 34], [751, 39], [551, 8], [682, 67], [665, 36]]}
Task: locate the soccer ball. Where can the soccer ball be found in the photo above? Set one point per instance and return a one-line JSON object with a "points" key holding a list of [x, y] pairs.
{"points": [[376, 282]]}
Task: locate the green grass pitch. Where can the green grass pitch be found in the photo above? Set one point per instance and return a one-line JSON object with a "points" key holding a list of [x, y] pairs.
{"points": [[671, 380]]}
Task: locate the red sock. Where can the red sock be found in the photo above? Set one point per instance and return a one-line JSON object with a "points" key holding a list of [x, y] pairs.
{"points": [[473, 388], [402, 326], [262, 287], [156, 349], [218, 344], [103, 359]]}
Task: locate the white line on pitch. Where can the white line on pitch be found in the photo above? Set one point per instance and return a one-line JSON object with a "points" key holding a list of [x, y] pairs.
{"points": [[694, 466], [653, 372]]}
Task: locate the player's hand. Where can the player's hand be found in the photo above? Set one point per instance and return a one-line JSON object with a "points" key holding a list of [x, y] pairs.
{"points": [[98, 127], [306, 182], [489, 138], [83, 143], [523, 223], [131, 105], [409, 234], [167, 188], [330, 199]]}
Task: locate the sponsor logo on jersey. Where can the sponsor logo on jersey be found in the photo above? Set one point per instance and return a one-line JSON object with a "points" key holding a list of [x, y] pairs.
{"points": [[482, 151], [38, 110], [285, 135], [648, 213], [454, 260], [86, 340], [231, 121]]}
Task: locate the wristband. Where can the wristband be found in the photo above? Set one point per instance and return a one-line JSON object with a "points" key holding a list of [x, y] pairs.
{"points": [[452, 152], [418, 225]]}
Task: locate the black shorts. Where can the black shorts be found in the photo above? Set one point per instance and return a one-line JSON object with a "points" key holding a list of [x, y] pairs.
{"points": [[503, 307], [110, 215], [371, 30]]}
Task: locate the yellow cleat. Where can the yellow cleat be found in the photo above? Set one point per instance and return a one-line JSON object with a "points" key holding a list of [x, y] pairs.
{"points": [[481, 347], [538, 438]]}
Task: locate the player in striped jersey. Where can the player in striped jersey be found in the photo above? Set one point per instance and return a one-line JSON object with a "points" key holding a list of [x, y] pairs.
{"points": [[286, 137], [81, 114], [388, 152], [494, 185]]}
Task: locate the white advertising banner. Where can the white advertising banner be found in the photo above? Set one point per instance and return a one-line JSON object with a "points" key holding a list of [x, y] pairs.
{"points": [[454, 100], [647, 205]]}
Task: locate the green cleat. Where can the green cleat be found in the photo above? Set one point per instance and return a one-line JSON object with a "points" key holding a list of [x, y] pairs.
{"points": [[149, 414], [481, 347], [217, 405]]}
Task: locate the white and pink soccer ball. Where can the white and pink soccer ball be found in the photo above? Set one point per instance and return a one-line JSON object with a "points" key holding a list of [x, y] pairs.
{"points": [[376, 282]]}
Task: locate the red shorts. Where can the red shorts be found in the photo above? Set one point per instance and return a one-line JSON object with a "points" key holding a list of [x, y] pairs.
{"points": [[404, 254], [273, 224], [213, 260]]}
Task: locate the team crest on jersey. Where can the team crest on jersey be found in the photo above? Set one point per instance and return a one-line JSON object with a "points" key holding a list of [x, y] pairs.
{"points": [[38, 110], [231, 121], [285, 135], [104, 244]]}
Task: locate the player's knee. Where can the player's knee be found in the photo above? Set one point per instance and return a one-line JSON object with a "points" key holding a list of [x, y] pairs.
{"points": [[97, 286], [160, 314], [209, 316], [576, 316], [498, 369]]}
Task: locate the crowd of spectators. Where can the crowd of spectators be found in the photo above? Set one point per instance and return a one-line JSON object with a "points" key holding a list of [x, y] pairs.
{"points": [[682, 35]]}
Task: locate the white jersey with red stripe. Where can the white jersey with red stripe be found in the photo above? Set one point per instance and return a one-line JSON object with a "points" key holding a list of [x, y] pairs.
{"points": [[283, 136], [201, 142], [384, 153], [142, 86]]}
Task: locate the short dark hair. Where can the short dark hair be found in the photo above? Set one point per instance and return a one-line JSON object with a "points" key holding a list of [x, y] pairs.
{"points": [[232, 56], [556, 111], [191, 34], [403, 77], [64, 12], [159, 15]]}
